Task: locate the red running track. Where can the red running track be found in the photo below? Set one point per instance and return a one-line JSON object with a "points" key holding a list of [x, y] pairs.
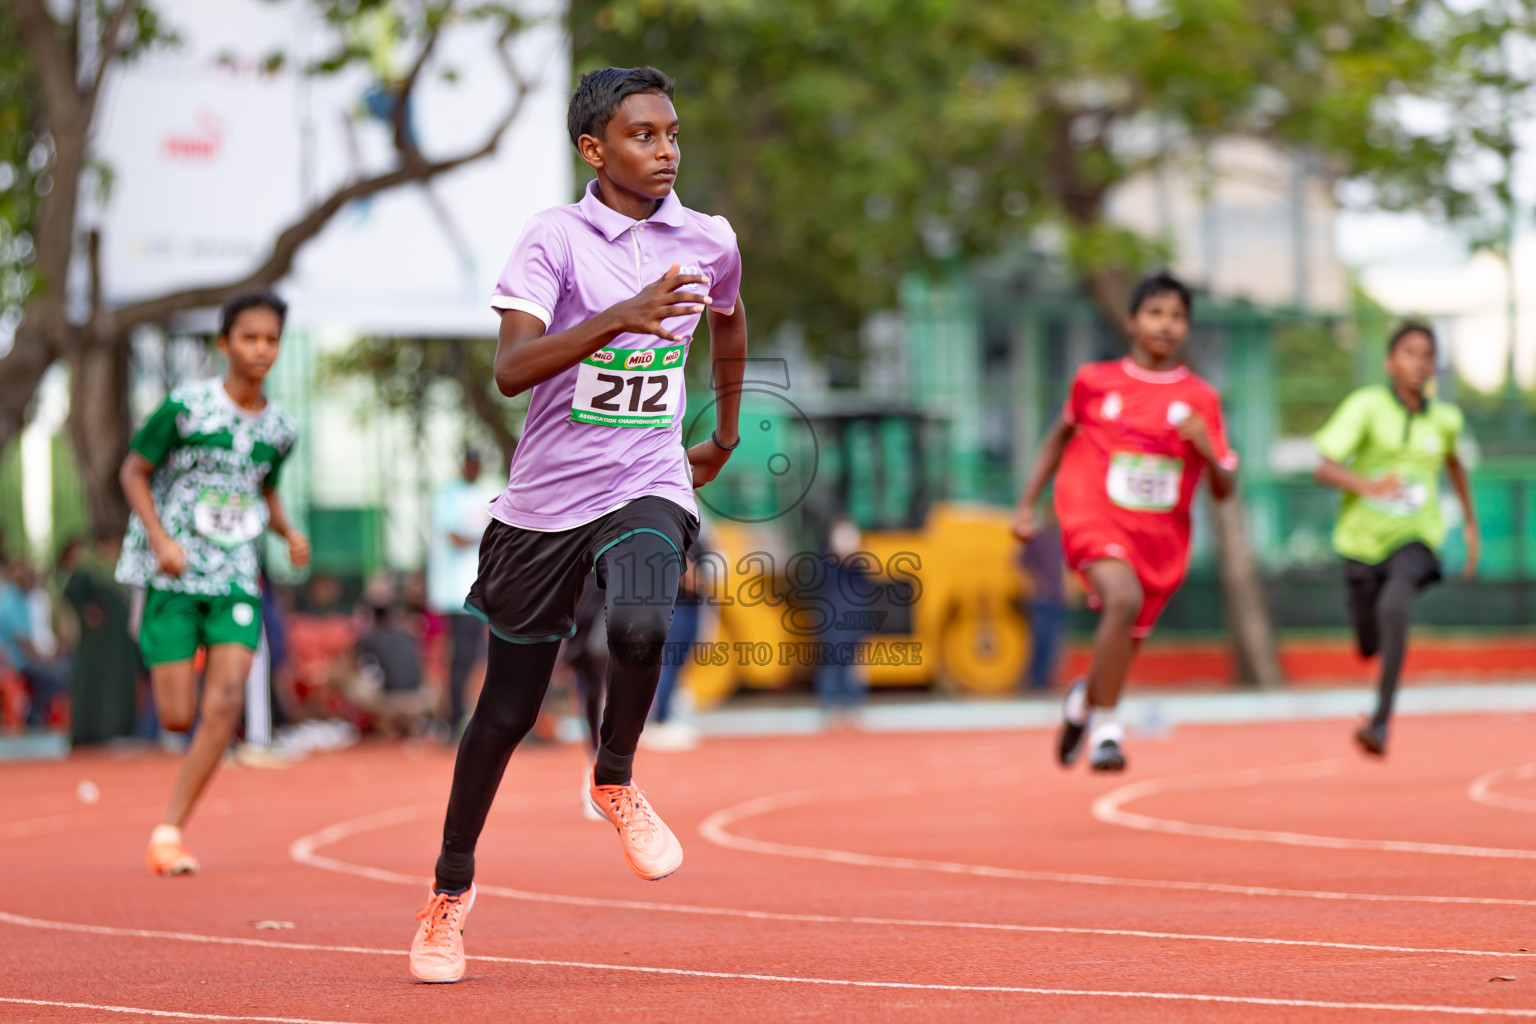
{"points": [[1255, 873]]}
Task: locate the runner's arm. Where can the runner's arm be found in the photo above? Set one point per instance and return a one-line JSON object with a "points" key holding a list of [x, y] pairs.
{"points": [[526, 356], [1332, 474], [134, 478], [1047, 461], [1196, 434], [278, 523], [1457, 471], [727, 362], [1206, 432], [1223, 480]]}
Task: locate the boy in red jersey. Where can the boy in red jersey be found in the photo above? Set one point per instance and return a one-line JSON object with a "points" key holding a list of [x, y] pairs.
{"points": [[1132, 443]]}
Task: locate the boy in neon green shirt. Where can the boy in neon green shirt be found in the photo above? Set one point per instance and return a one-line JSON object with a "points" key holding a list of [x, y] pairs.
{"points": [[1384, 448]]}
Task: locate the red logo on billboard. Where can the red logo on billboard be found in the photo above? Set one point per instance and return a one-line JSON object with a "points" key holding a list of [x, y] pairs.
{"points": [[201, 144]]}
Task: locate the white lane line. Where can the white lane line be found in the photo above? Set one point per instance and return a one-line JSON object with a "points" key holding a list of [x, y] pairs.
{"points": [[140, 1011], [95, 817], [1481, 789], [1474, 1011], [715, 828], [1109, 808], [304, 850], [60, 822]]}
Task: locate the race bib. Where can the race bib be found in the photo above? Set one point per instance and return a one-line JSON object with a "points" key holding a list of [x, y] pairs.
{"points": [[1144, 483], [629, 387], [226, 519]]}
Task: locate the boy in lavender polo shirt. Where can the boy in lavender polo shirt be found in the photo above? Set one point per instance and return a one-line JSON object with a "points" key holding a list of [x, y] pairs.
{"points": [[598, 305]]}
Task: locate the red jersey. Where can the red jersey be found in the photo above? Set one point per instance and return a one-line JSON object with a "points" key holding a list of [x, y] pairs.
{"points": [[1127, 480]]}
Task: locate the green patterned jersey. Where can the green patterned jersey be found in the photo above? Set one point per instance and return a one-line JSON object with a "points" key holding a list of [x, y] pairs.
{"points": [[212, 460]]}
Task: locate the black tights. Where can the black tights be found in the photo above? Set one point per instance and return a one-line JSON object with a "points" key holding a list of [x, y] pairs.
{"points": [[1381, 604], [641, 575], [1394, 607]]}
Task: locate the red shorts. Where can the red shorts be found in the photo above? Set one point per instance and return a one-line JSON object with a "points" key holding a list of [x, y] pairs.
{"points": [[1158, 561]]}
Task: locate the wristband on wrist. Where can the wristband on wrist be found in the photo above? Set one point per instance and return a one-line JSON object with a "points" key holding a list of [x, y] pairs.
{"points": [[721, 445]]}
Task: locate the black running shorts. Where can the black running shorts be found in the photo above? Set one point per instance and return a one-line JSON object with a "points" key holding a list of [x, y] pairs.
{"points": [[530, 580]]}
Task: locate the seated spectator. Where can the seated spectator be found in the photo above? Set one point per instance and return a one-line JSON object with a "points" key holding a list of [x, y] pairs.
{"points": [[388, 681], [28, 645], [321, 640]]}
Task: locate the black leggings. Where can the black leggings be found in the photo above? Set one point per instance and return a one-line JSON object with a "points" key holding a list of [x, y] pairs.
{"points": [[640, 574], [1381, 605]]}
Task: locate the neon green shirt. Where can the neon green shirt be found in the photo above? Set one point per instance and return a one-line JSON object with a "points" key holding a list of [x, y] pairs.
{"points": [[1376, 436]]}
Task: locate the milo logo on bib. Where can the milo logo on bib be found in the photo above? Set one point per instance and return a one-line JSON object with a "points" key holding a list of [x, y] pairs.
{"points": [[1144, 483], [629, 387]]}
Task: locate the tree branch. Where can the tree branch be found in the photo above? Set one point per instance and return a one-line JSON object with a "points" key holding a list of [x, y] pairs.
{"points": [[280, 260], [403, 141], [106, 53]]}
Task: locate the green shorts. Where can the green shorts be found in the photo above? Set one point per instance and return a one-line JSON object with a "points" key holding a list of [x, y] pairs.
{"points": [[175, 625]]}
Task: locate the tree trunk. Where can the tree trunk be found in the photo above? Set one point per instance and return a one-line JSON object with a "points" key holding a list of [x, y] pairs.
{"points": [[1254, 657], [1249, 628], [100, 425], [21, 371]]}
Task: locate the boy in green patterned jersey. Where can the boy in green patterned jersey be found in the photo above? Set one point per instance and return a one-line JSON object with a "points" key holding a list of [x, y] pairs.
{"points": [[201, 480], [1384, 448]]}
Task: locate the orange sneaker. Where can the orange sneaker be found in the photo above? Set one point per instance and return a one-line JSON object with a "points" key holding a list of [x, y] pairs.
{"points": [[166, 855], [650, 848], [437, 951]]}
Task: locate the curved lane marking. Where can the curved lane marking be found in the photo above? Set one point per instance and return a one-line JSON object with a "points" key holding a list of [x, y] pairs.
{"points": [[1110, 808], [1481, 789], [715, 828], [304, 850], [140, 1011], [1196, 997]]}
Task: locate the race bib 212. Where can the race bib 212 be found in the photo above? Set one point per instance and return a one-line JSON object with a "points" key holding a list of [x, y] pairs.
{"points": [[629, 387]]}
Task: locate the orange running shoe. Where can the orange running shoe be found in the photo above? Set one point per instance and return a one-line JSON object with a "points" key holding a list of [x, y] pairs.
{"points": [[437, 951], [650, 848], [166, 855]]}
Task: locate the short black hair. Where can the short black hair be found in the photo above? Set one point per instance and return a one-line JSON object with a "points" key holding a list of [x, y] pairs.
{"points": [[599, 95], [1161, 283], [259, 299], [1413, 327]]}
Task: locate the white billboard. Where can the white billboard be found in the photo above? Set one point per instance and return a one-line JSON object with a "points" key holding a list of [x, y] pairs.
{"points": [[211, 156]]}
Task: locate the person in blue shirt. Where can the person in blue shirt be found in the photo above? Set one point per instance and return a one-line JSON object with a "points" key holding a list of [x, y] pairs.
{"points": [[47, 678]]}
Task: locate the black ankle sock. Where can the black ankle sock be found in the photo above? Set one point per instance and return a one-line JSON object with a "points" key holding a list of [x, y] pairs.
{"points": [[613, 769], [455, 872]]}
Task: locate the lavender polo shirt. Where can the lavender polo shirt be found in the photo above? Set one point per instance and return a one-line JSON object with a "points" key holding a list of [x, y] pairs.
{"points": [[608, 430]]}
